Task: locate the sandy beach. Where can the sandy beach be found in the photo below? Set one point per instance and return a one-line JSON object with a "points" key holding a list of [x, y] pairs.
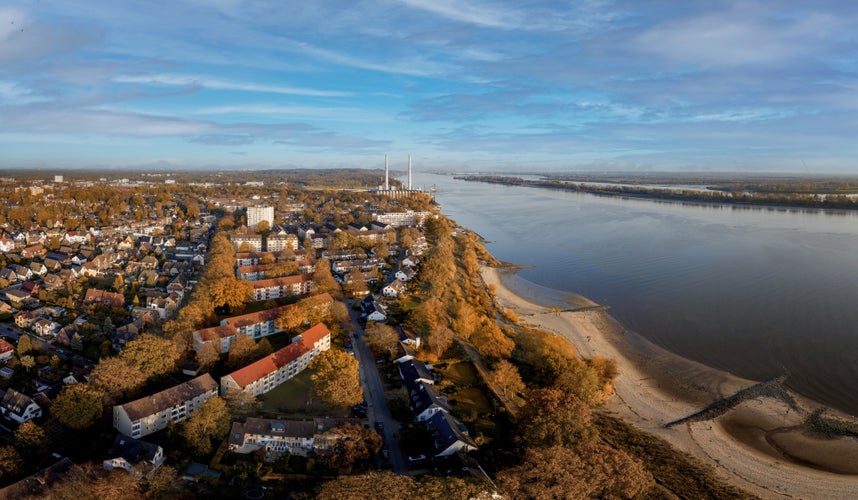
{"points": [[760, 446]]}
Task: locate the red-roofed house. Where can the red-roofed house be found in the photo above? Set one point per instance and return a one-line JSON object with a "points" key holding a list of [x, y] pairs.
{"points": [[7, 350], [269, 372], [109, 299]]}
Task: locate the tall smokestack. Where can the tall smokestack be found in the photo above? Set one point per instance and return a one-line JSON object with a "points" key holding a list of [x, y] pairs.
{"points": [[386, 183], [409, 172]]}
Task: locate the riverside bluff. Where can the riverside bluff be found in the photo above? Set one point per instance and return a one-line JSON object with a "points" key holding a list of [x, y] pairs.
{"points": [[771, 443]]}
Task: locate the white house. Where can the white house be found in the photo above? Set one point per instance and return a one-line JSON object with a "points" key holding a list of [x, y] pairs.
{"points": [[19, 407]]}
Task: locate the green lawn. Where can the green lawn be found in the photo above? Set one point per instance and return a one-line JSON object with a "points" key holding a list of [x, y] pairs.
{"points": [[295, 397]]}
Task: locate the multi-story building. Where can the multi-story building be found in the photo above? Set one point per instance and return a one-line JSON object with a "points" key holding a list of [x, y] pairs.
{"points": [[154, 412], [282, 287], [250, 241], [278, 242], [277, 437], [407, 218], [263, 323], [269, 372], [255, 215]]}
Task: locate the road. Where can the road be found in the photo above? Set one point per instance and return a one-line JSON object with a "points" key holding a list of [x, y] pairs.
{"points": [[377, 410]]}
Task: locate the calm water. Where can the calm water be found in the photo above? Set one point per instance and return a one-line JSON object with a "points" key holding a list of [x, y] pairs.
{"points": [[756, 292]]}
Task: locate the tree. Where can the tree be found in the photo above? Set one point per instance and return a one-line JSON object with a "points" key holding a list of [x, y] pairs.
{"points": [[211, 421], [207, 355], [78, 406], [353, 443], [588, 472], [336, 378], [325, 281], [439, 340], [240, 403], [553, 417], [491, 341], [24, 345], [119, 284], [154, 356], [371, 485], [118, 378], [290, 319], [10, 462], [242, 351], [381, 338], [507, 379], [230, 292], [164, 483], [263, 228], [76, 342], [30, 440], [28, 362]]}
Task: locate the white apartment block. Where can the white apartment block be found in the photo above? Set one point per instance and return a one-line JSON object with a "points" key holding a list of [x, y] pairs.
{"points": [[154, 412], [255, 215]]}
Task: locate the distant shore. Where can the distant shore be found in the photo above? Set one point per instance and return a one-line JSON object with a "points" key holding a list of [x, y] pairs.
{"points": [[762, 445]]}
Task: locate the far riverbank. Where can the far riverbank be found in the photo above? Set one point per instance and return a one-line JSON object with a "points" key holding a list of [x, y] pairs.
{"points": [[761, 446]]}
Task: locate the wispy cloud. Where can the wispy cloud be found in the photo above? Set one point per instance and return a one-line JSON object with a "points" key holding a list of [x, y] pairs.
{"points": [[219, 84]]}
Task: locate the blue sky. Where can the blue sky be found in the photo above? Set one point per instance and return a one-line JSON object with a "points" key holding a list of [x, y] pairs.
{"points": [[478, 85]]}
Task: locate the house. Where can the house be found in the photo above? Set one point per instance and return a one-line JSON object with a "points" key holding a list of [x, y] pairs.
{"points": [[112, 300], [410, 261], [38, 268], [449, 435], [425, 400], [221, 337], [373, 310], [45, 327], [18, 407], [415, 372], [154, 412], [7, 350], [269, 372], [406, 274], [138, 458], [53, 282], [6, 244], [33, 251], [394, 289], [22, 272], [278, 437], [164, 303], [8, 275], [282, 287], [25, 318]]}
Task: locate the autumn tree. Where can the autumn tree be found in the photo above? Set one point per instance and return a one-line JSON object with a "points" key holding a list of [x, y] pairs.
{"points": [[553, 417], [439, 340], [381, 338], [30, 440], [465, 320], [154, 356], [589, 471], [492, 342], [370, 485], [10, 462], [28, 362], [207, 356], [290, 319], [78, 406], [263, 228], [353, 444], [324, 280], [25, 345], [165, 483], [336, 379], [242, 352], [506, 378], [241, 403], [210, 422], [118, 378], [230, 292]]}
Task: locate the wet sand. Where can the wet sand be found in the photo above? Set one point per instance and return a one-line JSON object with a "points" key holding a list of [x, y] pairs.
{"points": [[761, 446]]}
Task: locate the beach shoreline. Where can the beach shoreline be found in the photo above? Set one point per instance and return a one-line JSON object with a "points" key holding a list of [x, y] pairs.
{"points": [[760, 446]]}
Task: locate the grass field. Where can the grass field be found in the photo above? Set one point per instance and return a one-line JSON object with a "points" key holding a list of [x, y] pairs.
{"points": [[294, 397]]}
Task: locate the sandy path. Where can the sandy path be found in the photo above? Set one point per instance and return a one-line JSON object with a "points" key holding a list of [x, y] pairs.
{"points": [[655, 387]]}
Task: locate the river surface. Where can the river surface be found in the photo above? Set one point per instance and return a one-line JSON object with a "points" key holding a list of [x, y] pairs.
{"points": [[757, 292]]}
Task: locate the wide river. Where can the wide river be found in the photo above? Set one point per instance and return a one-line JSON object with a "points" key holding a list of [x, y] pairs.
{"points": [[757, 292]]}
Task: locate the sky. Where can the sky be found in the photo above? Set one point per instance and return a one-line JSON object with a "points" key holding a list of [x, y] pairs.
{"points": [[527, 85]]}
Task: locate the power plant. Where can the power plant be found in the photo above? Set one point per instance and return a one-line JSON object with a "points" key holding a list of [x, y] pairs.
{"points": [[396, 193]]}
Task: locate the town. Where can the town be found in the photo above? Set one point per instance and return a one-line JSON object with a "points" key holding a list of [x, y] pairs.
{"points": [[186, 316]]}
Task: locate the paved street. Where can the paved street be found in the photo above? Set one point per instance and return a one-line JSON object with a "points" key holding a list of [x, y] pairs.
{"points": [[377, 410]]}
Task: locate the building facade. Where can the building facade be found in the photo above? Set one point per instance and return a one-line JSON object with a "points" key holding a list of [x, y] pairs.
{"points": [[154, 412]]}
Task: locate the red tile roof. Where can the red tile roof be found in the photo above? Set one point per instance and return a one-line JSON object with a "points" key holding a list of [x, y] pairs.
{"points": [[271, 363], [5, 346]]}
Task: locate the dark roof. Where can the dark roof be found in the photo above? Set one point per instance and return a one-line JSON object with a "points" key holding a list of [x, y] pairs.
{"points": [[15, 402], [132, 450], [446, 430], [152, 404]]}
